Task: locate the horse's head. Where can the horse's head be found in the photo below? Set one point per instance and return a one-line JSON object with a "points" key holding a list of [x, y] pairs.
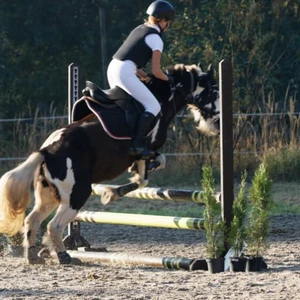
{"points": [[205, 103], [202, 94]]}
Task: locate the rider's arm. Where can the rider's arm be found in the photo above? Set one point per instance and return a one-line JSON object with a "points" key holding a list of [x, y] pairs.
{"points": [[155, 68]]}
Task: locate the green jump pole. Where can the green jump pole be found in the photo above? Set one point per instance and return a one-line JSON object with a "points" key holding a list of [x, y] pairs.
{"points": [[140, 220]]}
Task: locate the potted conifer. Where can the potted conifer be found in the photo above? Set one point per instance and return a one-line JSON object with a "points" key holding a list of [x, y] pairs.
{"points": [[237, 231], [261, 200], [213, 224]]}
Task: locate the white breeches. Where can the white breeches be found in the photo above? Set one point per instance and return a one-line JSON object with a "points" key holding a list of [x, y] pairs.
{"points": [[123, 75]]}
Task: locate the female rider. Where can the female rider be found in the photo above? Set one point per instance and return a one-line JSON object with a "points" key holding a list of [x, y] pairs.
{"points": [[143, 44]]}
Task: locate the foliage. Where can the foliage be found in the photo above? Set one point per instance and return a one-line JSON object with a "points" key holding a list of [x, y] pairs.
{"points": [[237, 233], [260, 38], [284, 164], [261, 199], [213, 223]]}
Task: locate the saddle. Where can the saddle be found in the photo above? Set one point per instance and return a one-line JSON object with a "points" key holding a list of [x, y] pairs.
{"points": [[117, 111], [105, 97]]}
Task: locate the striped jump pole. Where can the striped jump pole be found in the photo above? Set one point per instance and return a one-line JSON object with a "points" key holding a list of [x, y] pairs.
{"points": [[159, 194], [123, 259], [140, 220]]}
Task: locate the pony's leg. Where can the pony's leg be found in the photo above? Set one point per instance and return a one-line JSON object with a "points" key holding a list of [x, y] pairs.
{"points": [[158, 163], [139, 180], [45, 203], [64, 215]]}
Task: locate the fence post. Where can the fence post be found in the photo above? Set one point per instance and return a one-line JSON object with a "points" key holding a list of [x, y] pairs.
{"points": [[73, 88], [226, 141], [73, 240]]}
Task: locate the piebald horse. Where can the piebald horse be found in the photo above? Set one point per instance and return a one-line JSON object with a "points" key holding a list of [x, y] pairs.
{"points": [[86, 152]]}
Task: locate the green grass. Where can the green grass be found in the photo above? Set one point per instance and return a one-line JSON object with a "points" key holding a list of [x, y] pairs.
{"points": [[286, 198], [148, 207]]}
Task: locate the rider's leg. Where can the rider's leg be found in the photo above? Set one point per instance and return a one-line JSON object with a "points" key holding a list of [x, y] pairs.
{"points": [[138, 146], [123, 74]]}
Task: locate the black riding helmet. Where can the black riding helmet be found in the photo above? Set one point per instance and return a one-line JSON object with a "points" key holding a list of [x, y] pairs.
{"points": [[161, 10]]}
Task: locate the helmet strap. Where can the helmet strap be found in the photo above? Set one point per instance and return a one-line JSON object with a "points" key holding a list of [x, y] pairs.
{"points": [[163, 29]]}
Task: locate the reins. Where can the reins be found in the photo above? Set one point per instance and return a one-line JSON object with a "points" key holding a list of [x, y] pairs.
{"points": [[189, 97]]}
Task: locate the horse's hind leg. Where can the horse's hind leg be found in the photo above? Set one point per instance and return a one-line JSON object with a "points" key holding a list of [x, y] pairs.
{"points": [[45, 203], [64, 215], [66, 212]]}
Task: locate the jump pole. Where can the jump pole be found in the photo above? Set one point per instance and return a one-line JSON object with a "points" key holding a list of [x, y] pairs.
{"points": [[140, 220], [161, 194], [123, 259]]}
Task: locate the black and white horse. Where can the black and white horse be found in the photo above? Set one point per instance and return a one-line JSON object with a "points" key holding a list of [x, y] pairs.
{"points": [[90, 150]]}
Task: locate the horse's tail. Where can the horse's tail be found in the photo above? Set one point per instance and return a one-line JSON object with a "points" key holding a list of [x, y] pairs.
{"points": [[15, 194]]}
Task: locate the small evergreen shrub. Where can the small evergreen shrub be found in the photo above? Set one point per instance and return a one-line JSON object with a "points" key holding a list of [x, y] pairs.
{"points": [[237, 233], [213, 223], [261, 200]]}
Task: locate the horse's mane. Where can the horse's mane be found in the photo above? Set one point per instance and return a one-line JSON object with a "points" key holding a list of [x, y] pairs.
{"points": [[161, 89], [181, 69]]}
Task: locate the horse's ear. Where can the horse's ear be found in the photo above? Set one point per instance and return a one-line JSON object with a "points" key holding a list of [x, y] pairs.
{"points": [[210, 71], [200, 66]]}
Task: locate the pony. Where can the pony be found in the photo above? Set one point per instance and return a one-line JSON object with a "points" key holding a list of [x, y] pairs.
{"points": [[87, 151]]}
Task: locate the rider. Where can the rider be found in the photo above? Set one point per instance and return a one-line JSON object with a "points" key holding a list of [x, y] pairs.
{"points": [[143, 44]]}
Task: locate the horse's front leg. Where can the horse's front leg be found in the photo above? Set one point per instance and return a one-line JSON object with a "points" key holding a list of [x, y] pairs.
{"points": [[139, 180]]}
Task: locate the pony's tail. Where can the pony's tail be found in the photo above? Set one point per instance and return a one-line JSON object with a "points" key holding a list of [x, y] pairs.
{"points": [[15, 194]]}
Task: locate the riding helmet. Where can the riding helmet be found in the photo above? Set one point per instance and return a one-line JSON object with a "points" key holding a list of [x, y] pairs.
{"points": [[161, 10]]}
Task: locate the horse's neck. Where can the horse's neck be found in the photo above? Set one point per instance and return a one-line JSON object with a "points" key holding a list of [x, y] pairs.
{"points": [[171, 108]]}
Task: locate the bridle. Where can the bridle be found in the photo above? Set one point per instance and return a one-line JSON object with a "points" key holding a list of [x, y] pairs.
{"points": [[211, 89], [208, 111]]}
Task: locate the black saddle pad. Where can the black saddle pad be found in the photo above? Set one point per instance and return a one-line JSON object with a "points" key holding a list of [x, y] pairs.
{"points": [[118, 123]]}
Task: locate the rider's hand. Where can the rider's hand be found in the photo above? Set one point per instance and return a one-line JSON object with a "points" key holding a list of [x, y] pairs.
{"points": [[146, 79], [171, 80]]}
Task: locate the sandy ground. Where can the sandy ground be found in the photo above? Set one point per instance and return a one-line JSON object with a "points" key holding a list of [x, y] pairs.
{"points": [[94, 280]]}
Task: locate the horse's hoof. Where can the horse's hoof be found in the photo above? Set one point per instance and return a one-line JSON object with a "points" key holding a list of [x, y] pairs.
{"points": [[15, 251], [64, 258], [108, 195], [32, 258]]}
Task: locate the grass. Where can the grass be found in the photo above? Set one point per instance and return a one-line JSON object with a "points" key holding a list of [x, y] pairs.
{"points": [[148, 207], [286, 198]]}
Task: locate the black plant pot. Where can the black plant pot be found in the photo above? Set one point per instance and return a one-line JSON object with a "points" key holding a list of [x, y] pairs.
{"points": [[238, 264], [215, 265], [254, 264]]}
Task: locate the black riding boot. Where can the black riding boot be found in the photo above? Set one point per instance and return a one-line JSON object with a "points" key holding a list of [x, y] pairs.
{"points": [[137, 146]]}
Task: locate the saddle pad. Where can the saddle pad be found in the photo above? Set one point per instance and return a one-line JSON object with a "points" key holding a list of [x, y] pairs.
{"points": [[112, 120], [118, 123]]}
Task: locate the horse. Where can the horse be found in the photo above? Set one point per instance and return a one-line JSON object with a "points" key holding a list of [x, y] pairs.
{"points": [[85, 152]]}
